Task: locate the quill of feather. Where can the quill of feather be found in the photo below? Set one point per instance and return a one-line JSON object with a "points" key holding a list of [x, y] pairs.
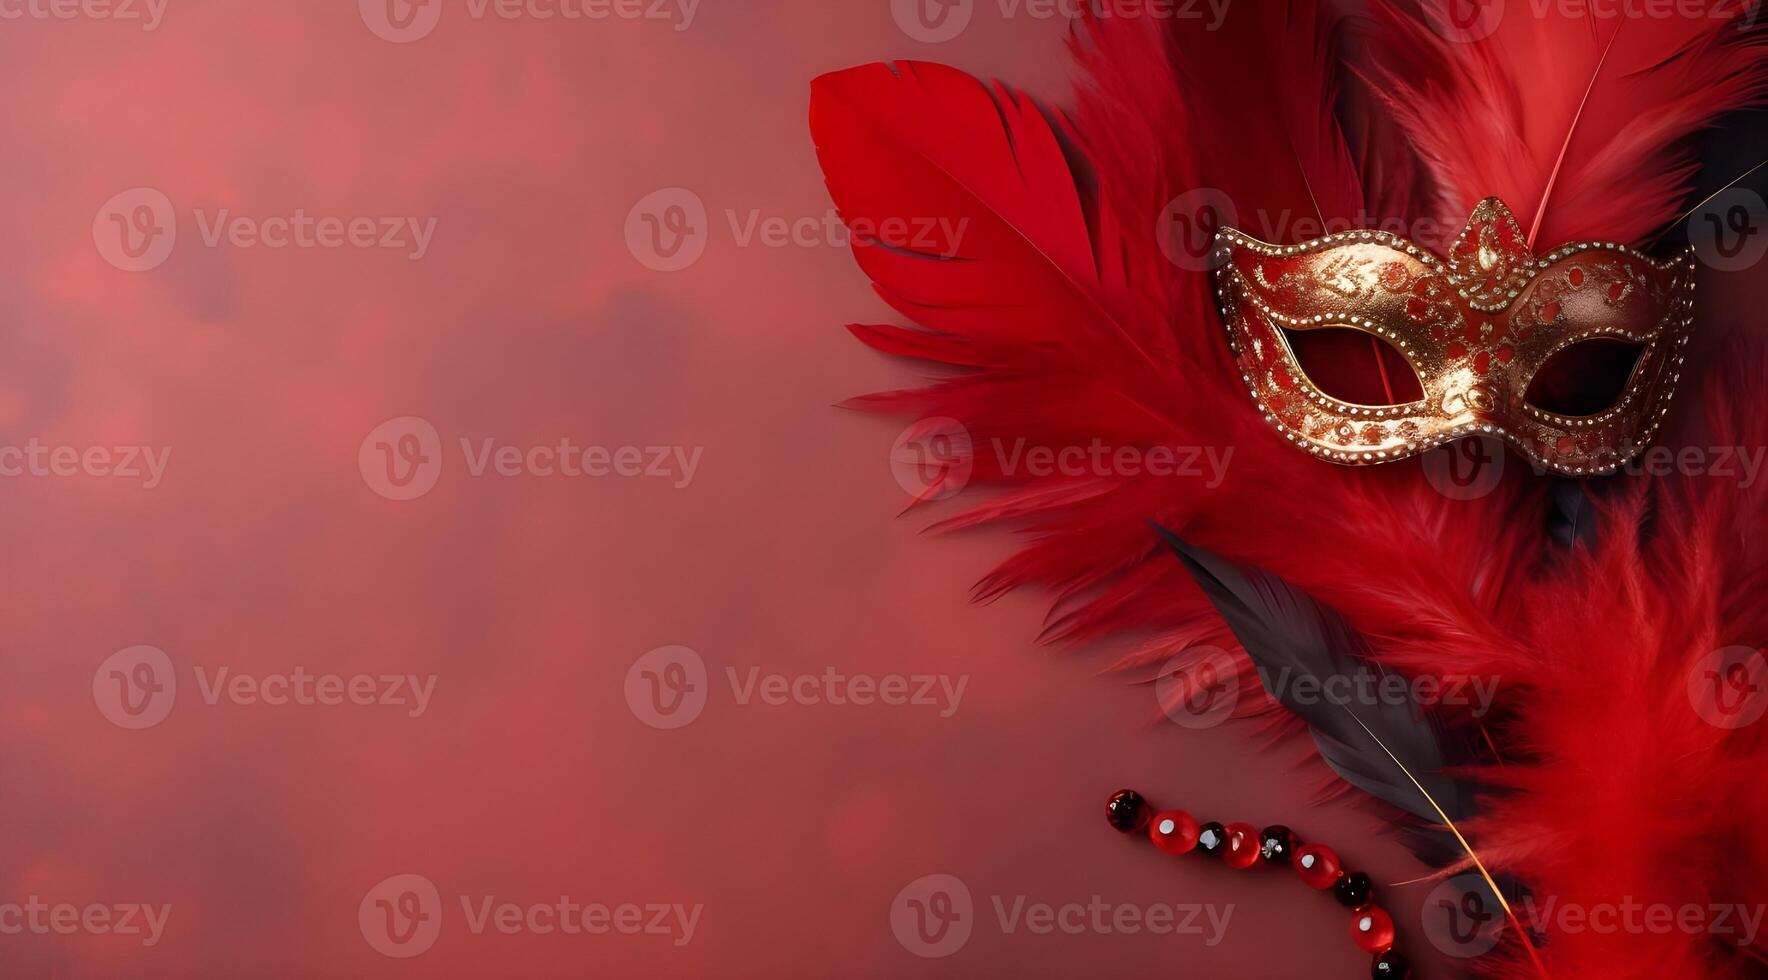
{"points": [[1498, 893]]}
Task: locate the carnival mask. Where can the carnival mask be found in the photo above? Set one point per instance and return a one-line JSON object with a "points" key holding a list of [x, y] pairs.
{"points": [[1495, 337]]}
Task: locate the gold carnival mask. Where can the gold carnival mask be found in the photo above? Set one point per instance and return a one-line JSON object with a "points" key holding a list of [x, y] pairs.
{"points": [[1499, 341]]}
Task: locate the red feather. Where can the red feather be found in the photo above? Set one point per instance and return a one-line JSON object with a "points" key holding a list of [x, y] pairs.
{"points": [[1267, 135], [1579, 123], [1023, 263]]}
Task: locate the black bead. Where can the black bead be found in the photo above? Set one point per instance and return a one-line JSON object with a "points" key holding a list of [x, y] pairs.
{"points": [[1353, 890], [1276, 844], [1390, 966], [1212, 839], [1127, 811]]}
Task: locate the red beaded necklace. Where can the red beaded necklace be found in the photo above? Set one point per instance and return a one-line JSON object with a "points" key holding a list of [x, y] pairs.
{"points": [[1240, 845]]}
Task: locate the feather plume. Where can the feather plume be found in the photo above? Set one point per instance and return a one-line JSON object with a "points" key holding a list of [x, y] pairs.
{"points": [[1579, 122]]}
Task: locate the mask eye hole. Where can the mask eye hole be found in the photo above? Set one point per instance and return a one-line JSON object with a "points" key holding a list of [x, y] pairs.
{"points": [[1354, 366], [1586, 378]]}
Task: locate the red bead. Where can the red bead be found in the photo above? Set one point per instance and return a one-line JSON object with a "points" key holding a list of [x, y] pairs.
{"points": [[1372, 929], [1318, 865], [1173, 831], [1243, 845]]}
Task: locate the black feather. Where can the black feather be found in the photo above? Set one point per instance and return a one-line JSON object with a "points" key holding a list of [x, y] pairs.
{"points": [[1571, 521], [1291, 637]]}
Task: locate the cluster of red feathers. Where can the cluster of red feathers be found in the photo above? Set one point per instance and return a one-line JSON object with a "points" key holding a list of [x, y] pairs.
{"points": [[1060, 322]]}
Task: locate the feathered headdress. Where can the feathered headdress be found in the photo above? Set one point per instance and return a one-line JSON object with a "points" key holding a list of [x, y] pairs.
{"points": [[1076, 312]]}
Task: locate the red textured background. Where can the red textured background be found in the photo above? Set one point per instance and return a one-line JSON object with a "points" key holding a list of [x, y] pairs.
{"points": [[529, 320]]}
